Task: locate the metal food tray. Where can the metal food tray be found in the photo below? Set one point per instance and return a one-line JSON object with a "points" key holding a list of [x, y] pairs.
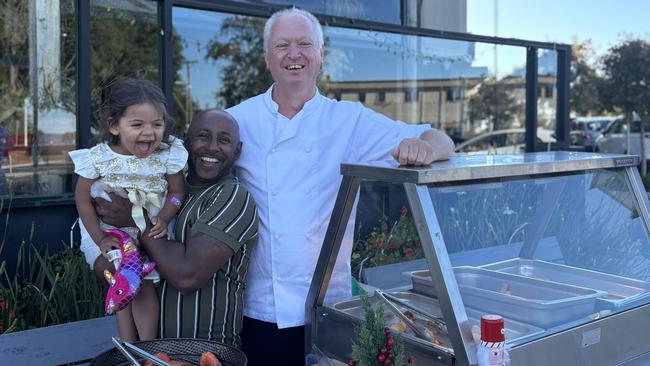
{"points": [[620, 290], [540, 303], [516, 332]]}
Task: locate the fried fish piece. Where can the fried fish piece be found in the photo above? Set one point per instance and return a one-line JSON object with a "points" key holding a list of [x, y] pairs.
{"points": [[399, 326], [505, 289], [209, 359]]}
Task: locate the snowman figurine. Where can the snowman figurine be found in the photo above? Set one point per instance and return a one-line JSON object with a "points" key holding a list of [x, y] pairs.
{"points": [[492, 350]]}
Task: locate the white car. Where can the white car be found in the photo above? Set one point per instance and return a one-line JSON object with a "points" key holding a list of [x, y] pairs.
{"points": [[508, 141], [617, 139], [585, 130]]}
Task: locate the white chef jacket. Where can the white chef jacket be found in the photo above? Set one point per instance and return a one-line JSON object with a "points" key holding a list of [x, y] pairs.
{"points": [[292, 169]]}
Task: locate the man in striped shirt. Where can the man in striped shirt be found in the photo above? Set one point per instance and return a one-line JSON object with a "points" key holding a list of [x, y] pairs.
{"points": [[204, 269]]}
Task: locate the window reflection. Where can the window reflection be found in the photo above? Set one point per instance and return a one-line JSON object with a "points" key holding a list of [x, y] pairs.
{"points": [[411, 78], [124, 43], [467, 89], [459, 87], [579, 217], [546, 94], [37, 96], [388, 12], [222, 59]]}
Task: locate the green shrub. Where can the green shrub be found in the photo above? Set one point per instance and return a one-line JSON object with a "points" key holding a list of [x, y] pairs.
{"points": [[389, 243], [48, 289]]}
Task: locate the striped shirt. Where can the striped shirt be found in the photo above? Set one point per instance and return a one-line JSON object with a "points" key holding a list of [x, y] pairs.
{"points": [[224, 211]]}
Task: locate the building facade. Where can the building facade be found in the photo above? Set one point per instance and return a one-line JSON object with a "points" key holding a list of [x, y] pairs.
{"points": [[411, 60]]}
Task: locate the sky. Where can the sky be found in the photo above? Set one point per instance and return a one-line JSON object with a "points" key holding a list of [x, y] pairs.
{"points": [[604, 22]]}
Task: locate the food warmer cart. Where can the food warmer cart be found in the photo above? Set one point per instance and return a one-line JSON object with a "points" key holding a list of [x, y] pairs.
{"points": [[556, 243]]}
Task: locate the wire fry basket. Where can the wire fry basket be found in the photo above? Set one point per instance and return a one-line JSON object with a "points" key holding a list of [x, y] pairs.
{"points": [[180, 349]]}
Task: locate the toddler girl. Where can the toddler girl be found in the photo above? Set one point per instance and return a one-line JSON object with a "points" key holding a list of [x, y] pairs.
{"points": [[139, 160]]}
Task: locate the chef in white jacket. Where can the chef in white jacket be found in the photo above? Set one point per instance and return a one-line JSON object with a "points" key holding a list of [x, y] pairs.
{"points": [[296, 140]]}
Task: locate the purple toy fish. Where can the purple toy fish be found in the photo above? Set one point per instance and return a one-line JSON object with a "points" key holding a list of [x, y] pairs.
{"points": [[126, 281]]}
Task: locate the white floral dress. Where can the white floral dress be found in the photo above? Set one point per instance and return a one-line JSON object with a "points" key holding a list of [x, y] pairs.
{"points": [[142, 180]]}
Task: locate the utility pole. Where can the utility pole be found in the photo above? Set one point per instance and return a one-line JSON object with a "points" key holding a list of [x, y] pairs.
{"points": [[189, 112], [496, 66]]}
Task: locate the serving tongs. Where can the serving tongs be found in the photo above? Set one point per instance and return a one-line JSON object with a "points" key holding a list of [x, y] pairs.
{"points": [[126, 348], [436, 322]]}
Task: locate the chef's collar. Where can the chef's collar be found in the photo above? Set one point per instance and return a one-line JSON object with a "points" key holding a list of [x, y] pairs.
{"points": [[273, 106]]}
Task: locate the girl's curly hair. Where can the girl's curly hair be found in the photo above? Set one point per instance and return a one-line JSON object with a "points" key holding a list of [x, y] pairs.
{"points": [[128, 92]]}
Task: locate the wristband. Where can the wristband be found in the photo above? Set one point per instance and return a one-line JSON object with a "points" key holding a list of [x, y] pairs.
{"points": [[174, 200]]}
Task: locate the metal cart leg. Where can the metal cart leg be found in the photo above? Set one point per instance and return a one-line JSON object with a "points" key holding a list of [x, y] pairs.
{"points": [[329, 251]]}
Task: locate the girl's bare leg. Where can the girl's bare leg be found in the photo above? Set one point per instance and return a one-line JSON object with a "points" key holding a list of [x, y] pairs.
{"points": [[125, 326], [145, 308]]}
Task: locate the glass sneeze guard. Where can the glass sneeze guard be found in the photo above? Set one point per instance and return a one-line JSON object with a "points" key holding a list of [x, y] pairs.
{"points": [[549, 241]]}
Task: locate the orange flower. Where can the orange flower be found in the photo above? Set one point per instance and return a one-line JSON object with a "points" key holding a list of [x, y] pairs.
{"points": [[4, 306]]}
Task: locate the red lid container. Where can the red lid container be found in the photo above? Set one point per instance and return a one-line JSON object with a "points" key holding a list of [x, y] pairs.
{"points": [[492, 328]]}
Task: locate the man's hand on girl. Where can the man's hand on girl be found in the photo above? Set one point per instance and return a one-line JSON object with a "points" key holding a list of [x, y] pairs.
{"points": [[107, 244], [116, 213]]}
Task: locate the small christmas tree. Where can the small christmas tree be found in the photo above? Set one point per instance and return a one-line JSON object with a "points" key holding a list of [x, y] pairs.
{"points": [[375, 344]]}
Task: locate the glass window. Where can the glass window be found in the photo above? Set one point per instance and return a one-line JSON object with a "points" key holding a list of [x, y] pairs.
{"points": [[384, 239], [510, 141], [459, 85], [548, 91], [618, 127], [223, 64], [222, 61], [37, 97], [453, 94], [388, 12], [546, 102], [410, 96], [124, 43], [597, 125], [381, 97], [498, 101]]}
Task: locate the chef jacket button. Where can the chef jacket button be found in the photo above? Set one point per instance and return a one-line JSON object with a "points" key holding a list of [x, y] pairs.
{"points": [[272, 150], [307, 235], [276, 236], [308, 191], [275, 193], [308, 150]]}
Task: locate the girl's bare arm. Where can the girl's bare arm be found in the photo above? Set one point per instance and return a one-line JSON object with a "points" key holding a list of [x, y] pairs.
{"points": [[175, 185]]}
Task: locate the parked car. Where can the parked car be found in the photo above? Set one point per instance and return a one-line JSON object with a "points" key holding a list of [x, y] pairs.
{"points": [[615, 137], [508, 141], [585, 130]]}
